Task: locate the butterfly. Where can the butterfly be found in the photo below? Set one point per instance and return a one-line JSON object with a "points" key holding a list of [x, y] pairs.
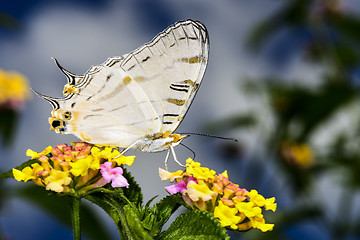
{"points": [[138, 100]]}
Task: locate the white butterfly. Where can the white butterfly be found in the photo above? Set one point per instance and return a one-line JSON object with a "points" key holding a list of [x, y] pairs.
{"points": [[138, 100]]}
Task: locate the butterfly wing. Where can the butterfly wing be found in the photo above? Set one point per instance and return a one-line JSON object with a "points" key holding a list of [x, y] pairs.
{"points": [[149, 91], [170, 68]]}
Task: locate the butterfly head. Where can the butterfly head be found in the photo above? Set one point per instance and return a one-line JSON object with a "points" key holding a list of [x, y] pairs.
{"points": [[58, 121], [58, 125]]}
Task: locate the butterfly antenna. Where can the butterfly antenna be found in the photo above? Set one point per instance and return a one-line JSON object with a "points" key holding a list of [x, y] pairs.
{"points": [[194, 155], [212, 136]]}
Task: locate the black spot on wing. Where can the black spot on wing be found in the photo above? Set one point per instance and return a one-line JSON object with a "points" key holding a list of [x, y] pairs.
{"points": [[178, 89], [171, 115], [145, 59], [108, 77], [131, 67]]}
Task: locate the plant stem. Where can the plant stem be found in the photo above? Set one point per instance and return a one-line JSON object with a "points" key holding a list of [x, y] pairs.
{"points": [[75, 217]]}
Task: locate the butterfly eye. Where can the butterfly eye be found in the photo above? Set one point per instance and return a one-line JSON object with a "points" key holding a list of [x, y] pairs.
{"points": [[67, 115]]}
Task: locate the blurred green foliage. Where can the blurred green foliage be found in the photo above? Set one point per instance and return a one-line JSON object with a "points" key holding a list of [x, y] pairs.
{"points": [[7, 21], [8, 122], [330, 40]]}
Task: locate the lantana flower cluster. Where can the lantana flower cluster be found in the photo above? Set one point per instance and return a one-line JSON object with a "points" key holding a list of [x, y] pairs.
{"points": [[234, 207], [78, 168], [14, 90]]}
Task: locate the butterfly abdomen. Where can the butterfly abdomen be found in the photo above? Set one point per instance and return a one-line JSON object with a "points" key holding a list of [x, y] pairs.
{"points": [[160, 142]]}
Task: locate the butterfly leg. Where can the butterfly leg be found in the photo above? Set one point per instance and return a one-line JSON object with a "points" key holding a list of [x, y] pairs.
{"points": [[166, 159], [175, 158], [126, 149]]}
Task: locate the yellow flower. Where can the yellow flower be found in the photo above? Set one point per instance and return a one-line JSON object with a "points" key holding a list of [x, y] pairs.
{"points": [[244, 226], [298, 154], [303, 154], [81, 166], [57, 180], [112, 154], [165, 175], [225, 174], [35, 155], [233, 206], [71, 168], [128, 160], [260, 201], [200, 190], [226, 215], [259, 223], [248, 208], [270, 204], [14, 89], [253, 212], [197, 171], [27, 173]]}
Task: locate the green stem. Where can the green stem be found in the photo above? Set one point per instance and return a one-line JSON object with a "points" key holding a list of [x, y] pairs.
{"points": [[75, 217]]}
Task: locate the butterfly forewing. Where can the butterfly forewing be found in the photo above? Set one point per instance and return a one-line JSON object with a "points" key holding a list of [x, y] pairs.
{"points": [[170, 69]]}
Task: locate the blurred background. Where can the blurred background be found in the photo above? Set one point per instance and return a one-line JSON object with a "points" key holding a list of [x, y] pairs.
{"points": [[283, 78]]}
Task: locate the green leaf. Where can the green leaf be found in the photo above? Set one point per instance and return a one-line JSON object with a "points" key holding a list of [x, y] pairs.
{"points": [[133, 193], [59, 208], [195, 225], [125, 214], [159, 214], [134, 224]]}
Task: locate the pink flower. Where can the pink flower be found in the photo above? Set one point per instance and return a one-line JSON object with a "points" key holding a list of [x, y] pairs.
{"points": [[113, 175], [179, 187]]}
